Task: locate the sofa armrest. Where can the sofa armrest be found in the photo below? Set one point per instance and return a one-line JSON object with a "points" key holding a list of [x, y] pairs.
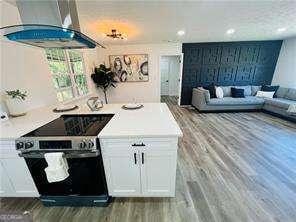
{"points": [[200, 98]]}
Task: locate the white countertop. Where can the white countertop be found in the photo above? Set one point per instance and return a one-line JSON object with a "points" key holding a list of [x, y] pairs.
{"points": [[154, 120]]}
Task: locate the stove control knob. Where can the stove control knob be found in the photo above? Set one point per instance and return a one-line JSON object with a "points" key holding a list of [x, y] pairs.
{"points": [[82, 145], [29, 145], [19, 145], [90, 144]]}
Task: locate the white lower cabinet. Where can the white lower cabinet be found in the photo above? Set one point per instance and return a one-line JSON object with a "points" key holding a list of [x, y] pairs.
{"points": [[140, 167], [15, 177], [124, 173], [158, 172], [6, 188]]}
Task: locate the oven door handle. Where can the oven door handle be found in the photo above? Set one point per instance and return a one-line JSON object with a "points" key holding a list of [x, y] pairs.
{"points": [[66, 155]]}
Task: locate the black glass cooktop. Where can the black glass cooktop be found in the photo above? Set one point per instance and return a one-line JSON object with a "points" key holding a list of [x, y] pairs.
{"points": [[73, 125]]}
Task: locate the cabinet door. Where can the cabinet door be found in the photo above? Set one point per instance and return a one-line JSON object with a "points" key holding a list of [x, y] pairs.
{"points": [[6, 189], [122, 172], [20, 177], [158, 172]]}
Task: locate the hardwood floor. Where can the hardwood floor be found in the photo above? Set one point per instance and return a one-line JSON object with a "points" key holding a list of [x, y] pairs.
{"points": [[172, 100], [231, 167]]}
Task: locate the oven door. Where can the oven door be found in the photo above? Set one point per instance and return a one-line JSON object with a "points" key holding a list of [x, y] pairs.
{"points": [[86, 175]]}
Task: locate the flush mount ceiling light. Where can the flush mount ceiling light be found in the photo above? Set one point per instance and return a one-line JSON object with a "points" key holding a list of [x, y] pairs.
{"points": [[115, 35], [230, 31], [281, 29], [181, 32]]}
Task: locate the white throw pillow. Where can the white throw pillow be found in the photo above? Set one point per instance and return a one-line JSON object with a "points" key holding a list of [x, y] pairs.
{"points": [[265, 94], [219, 92]]}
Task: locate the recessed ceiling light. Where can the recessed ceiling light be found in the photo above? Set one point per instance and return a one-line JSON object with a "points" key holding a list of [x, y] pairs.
{"points": [[181, 32], [282, 29], [230, 31]]}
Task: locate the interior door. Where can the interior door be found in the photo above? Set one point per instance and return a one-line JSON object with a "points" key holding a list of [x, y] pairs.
{"points": [[158, 172], [164, 72], [123, 172], [174, 75]]}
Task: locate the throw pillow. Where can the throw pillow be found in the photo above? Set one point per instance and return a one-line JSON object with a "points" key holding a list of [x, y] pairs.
{"points": [[212, 90], [247, 90], [267, 88], [265, 94], [237, 93], [219, 92]]}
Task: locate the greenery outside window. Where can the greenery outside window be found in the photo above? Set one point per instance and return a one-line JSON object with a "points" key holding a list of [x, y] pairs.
{"points": [[68, 73]]}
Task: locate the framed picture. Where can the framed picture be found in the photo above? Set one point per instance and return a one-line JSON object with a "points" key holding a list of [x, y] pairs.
{"points": [[130, 68]]}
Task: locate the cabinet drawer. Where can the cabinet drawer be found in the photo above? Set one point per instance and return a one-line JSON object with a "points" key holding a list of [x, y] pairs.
{"points": [[111, 145]]}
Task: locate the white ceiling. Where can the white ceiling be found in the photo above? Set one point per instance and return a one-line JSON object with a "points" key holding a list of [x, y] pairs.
{"points": [[203, 21]]}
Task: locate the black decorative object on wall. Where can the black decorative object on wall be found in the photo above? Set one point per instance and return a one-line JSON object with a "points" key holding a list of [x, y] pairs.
{"points": [[227, 63]]}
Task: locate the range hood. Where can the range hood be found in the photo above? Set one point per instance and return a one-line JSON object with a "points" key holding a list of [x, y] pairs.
{"points": [[49, 24]]}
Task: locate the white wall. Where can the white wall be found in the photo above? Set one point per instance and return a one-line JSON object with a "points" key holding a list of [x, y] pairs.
{"points": [[24, 67], [285, 72], [140, 91]]}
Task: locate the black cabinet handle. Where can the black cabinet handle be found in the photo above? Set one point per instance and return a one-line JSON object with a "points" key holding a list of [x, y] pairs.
{"points": [[135, 144], [142, 158], [135, 158]]}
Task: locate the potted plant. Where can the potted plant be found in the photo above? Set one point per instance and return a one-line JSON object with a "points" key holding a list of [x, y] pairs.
{"points": [[15, 102], [104, 78]]}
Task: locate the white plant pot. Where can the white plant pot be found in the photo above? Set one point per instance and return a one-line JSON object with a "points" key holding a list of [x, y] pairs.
{"points": [[15, 107]]}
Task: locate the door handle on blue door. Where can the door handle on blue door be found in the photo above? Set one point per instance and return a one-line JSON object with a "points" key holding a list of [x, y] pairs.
{"points": [[135, 158], [142, 158]]}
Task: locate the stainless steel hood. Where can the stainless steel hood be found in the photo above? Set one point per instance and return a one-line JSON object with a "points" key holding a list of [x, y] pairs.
{"points": [[49, 24]]}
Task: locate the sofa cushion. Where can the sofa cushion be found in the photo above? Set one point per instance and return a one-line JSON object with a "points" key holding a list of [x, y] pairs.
{"points": [[226, 91], [247, 90], [281, 92], [270, 89], [206, 93], [255, 89], [279, 102], [212, 90], [291, 94], [237, 93], [248, 100]]}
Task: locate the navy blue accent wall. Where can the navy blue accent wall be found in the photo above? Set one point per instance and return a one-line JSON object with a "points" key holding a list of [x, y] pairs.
{"points": [[227, 63]]}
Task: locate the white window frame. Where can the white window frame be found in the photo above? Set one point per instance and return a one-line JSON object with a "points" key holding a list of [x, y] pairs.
{"points": [[74, 86]]}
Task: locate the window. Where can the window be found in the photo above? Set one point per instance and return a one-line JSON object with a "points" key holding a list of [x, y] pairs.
{"points": [[68, 75]]}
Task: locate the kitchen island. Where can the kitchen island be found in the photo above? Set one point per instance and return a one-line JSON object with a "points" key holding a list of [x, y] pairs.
{"points": [[139, 149]]}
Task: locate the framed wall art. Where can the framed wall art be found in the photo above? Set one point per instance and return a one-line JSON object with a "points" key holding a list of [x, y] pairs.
{"points": [[130, 68]]}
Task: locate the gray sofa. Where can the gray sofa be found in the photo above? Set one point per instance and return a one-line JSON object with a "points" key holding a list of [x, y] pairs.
{"points": [[285, 97]]}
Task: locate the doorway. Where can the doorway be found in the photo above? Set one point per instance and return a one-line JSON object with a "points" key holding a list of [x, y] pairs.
{"points": [[170, 72]]}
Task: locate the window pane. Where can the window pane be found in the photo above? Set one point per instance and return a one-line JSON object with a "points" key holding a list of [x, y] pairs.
{"points": [[67, 94], [76, 62], [62, 63], [82, 90], [81, 83], [61, 81], [57, 67], [60, 96], [77, 67]]}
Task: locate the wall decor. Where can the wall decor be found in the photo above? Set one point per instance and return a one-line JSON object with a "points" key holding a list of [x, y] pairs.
{"points": [[130, 68], [227, 64]]}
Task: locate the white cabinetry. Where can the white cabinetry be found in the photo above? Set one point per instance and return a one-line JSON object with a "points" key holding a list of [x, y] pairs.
{"points": [[140, 167], [15, 178]]}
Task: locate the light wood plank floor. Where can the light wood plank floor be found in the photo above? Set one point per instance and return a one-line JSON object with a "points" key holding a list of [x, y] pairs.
{"points": [[231, 167]]}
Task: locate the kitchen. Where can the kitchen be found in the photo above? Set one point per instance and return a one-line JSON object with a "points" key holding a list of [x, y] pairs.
{"points": [[112, 152]]}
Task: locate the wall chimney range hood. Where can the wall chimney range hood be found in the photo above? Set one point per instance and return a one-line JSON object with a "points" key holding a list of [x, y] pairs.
{"points": [[49, 24]]}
